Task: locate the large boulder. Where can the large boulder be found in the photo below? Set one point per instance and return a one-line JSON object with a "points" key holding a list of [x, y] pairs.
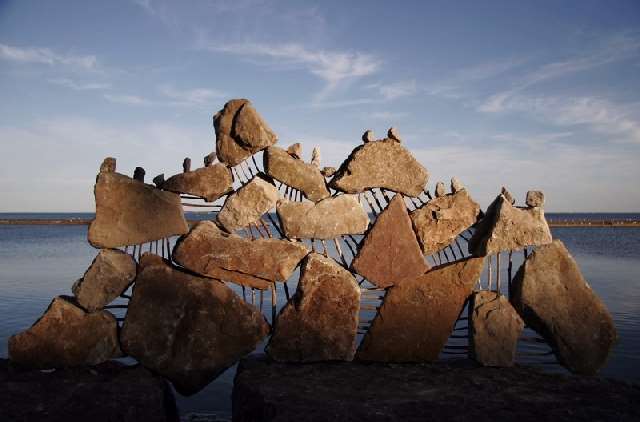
{"points": [[248, 204], [211, 252], [390, 253], [442, 219], [66, 335], [494, 329], [326, 219], [381, 164], [305, 177], [187, 328], [240, 132], [109, 275], [417, 315], [553, 298], [129, 212], [321, 320], [209, 183]]}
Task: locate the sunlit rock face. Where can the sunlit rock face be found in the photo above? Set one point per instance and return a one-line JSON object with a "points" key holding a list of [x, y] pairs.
{"points": [[209, 183], [294, 172], [248, 204]]}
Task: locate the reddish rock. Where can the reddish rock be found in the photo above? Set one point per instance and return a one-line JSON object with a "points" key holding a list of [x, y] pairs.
{"points": [[293, 172], [246, 205], [209, 183], [535, 198], [108, 165]]}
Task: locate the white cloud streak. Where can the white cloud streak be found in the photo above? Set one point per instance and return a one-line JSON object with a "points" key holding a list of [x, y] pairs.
{"points": [[46, 56], [78, 86]]}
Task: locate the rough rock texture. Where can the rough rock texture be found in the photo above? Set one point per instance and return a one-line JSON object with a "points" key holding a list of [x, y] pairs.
{"points": [[315, 157], [246, 205], [321, 321], [381, 164], [326, 219], [456, 185], [535, 198], [494, 329], [65, 335], [188, 329], [442, 219], [186, 165], [440, 190], [210, 158], [507, 195], [328, 171], [390, 253], [445, 391], [107, 392], [209, 182], [129, 212], [108, 165], [554, 299], [392, 133], [417, 315], [211, 252], [368, 136], [110, 273], [158, 180], [295, 150], [240, 132], [296, 173], [138, 174]]}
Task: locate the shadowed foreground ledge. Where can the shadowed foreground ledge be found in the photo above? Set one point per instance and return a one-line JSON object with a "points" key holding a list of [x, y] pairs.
{"points": [[268, 391]]}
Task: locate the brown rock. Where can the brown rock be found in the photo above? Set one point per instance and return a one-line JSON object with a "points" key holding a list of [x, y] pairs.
{"points": [[368, 136], [417, 315], [535, 198], [456, 185], [186, 165], [209, 183], [210, 158], [494, 329], [158, 180], [507, 195], [66, 335], [440, 190], [295, 173], [381, 164], [295, 150], [108, 165], [138, 174], [328, 171], [211, 252], [130, 213], [553, 298], [390, 251], [321, 321], [325, 219], [315, 157], [248, 204], [392, 133], [110, 274], [186, 328], [251, 130], [442, 219]]}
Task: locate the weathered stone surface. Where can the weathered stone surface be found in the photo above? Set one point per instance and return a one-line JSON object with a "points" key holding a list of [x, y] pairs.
{"points": [[507, 195], [328, 171], [66, 335], [108, 392], [248, 204], [315, 157], [535, 198], [326, 219], [186, 165], [108, 165], [110, 274], [442, 219], [296, 173], [321, 321], [211, 252], [188, 329], [505, 227], [251, 130], [456, 185], [392, 133], [129, 212], [158, 180], [390, 251], [417, 315], [209, 183], [553, 298], [210, 158], [494, 329], [295, 150], [138, 174], [368, 136], [440, 190], [381, 164]]}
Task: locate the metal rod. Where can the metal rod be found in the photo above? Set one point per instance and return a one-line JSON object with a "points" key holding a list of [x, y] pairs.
{"points": [[370, 205], [339, 249], [286, 291], [444, 251], [115, 307], [274, 301], [489, 274], [244, 293], [261, 299], [353, 252], [386, 196], [509, 269], [375, 197], [275, 225], [253, 157], [253, 296], [498, 272], [324, 245], [190, 204], [313, 245], [266, 227]]}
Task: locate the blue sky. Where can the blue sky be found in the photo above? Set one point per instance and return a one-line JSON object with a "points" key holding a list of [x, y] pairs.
{"points": [[530, 95]]}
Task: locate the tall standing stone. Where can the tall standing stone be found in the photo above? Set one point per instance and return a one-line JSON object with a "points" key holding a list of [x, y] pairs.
{"points": [[248, 204], [293, 172], [209, 183]]}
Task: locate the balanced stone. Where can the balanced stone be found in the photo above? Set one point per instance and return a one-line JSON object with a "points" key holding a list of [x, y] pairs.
{"points": [[326, 219], [138, 174], [211, 252], [417, 315], [553, 298], [456, 185], [440, 190], [390, 252], [535, 198], [507, 195], [187, 328], [108, 165], [392, 133], [321, 321], [158, 180], [65, 336], [296, 173], [295, 150], [246, 205], [210, 158], [130, 213], [442, 219], [209, 183], [315, 157], [381, 164], [368, 136], [109, 275], [494, 329], [328, 171]]}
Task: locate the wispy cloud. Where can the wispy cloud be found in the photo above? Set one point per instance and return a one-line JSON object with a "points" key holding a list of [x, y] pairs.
{"points": [[46, 56], [191, 97], [127, 99], [79, 86], [395, 90]]}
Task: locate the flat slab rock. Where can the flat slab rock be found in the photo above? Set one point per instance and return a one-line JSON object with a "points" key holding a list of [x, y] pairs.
{"points": [[248, 204], [446, 391], [107, 392], [188, 329], [129, 212], [209, 183], [211, 252], [320, 322], [294, 172], [390, 253], [381, 164], [326, 219], [554, 299]]}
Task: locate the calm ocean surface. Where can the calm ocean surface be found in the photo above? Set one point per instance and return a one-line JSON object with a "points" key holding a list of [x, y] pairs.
{"points": [[40, 262]]}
